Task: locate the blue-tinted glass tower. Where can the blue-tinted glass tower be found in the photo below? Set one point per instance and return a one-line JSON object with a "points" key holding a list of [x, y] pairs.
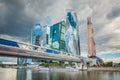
{"points": [[57, 32]]}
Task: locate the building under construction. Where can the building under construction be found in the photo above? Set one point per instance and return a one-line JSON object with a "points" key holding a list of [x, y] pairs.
{"points": [[91, 42], [92, 58]]}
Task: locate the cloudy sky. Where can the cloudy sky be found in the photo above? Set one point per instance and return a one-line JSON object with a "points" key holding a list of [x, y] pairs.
{"points": [[18, 17]]}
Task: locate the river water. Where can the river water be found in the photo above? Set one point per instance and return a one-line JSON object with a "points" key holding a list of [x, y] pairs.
{"points": [[28, 74]]}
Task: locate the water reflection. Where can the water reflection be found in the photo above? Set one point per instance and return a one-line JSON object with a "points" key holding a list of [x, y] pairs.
{"points": [[8, 74], [27, 74], [102, 75], [21, 74]]}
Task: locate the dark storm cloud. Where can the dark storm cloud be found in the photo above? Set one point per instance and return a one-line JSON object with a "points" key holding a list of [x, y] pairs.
{"points": [[115, 12], [16, 21]]}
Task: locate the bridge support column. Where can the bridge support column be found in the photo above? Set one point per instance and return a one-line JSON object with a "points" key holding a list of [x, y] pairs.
{"points": [[61, 63], [80, 66], [71, 64], [22, 61]]}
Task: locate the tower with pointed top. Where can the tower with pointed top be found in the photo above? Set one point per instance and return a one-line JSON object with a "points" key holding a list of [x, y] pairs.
{"points": [[91, 42]]}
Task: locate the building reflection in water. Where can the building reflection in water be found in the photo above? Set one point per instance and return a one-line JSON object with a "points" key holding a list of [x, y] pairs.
{"points": [[40, 75], [31, 74], [8, 74], [21, 74]]}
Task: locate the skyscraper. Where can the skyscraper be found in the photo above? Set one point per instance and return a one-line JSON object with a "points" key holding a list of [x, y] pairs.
{"points": [[37, 34], [91, 42], [57, 32], [71, 35], [36, 37]]}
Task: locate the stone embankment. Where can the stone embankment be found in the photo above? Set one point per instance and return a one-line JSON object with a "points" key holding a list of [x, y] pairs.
{"points": [[104, 69]]}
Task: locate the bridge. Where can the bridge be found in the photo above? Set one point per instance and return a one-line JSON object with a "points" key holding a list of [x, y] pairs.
{"points": [[26, 51]]}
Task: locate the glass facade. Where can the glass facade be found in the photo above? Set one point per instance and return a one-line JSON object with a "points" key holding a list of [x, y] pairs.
{"points": [[57, 32], [36, 38], [72, 38]]}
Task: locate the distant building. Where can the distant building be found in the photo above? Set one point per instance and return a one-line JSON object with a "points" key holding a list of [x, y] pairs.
{"points": [[45, 36], [37, 33], [36, 36]]}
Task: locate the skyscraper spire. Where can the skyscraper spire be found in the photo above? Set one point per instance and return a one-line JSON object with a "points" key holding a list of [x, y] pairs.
{"points": [[91, 42]]}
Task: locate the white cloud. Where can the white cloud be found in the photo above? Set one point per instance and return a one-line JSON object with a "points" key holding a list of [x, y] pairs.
{"points": [[109, 36], [57, 11], [85, 12], [13, 38], [111, 28]]}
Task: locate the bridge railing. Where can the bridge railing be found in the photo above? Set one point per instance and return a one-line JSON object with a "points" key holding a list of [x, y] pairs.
{"points": [[27, 46]]}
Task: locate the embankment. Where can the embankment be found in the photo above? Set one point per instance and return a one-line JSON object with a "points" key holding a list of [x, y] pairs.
{"points": [[104, 69]]}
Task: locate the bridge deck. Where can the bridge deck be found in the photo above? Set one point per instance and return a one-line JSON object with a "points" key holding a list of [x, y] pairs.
{"points": [[17, 52]]}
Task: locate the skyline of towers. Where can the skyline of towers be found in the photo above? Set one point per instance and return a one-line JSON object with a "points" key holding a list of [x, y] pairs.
{"points": [[62, 35], [91, 42], [58, 34]]}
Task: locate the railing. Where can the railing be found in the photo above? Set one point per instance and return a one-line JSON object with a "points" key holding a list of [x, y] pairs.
{"points": [[30, 47]]}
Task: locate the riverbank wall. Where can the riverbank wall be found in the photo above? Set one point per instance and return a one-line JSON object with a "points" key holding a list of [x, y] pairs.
{"points": [[103, 69]]}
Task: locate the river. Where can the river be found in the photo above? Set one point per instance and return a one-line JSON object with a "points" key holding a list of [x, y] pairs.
{"points": [[30, 74]]}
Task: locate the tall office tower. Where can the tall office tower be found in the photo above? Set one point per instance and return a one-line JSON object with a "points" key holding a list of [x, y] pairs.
{"points": [[36, 37], [91, 42], [45, 36], [72, 37], [46, 31], [57, 32], [37, 34]]}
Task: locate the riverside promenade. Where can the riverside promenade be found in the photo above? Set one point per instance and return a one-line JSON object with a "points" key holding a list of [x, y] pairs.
{"points": [[104, 69]]}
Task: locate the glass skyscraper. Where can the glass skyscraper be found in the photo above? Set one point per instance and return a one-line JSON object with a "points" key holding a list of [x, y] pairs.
{"points": [[57, 32]]}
